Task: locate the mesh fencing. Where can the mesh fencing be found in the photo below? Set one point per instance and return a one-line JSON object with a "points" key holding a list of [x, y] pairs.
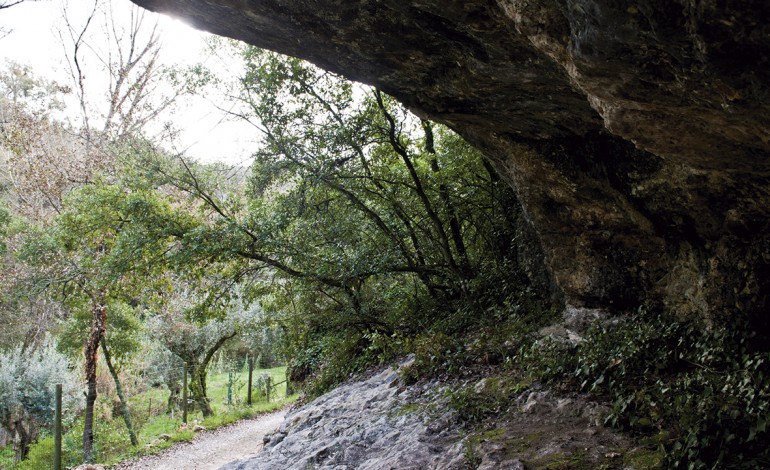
{"points": [[156, 410]]}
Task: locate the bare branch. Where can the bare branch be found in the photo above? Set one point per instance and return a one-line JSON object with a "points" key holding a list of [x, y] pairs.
{"points": [[77, 38], [6, 4]]}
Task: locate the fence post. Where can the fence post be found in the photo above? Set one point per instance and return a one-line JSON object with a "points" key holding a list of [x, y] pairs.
{"points": [[57, 430], [230, 388], [251, 370], [184, 395]]}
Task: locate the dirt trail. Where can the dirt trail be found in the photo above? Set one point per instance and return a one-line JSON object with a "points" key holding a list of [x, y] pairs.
{"points": [[211, 450]]}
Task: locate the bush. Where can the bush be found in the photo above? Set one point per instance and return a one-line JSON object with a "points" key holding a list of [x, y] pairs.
{"points": [[339, 357], [701, 394], [490, 396], [705, 391], [40, 454], [434, 353]]}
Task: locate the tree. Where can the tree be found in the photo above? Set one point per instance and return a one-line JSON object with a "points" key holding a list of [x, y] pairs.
{"points": [[119, 343], [96, 256], [27, 382], [139, 88], [131, 65], [194, 343], [43, 156], [30, 193], [111, 258], [165, 367], [368, 154], [363, 157], [8, 4], [367, 219]]}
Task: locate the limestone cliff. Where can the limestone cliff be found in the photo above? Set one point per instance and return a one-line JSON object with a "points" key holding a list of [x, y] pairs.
{"points": [[636, 133]]}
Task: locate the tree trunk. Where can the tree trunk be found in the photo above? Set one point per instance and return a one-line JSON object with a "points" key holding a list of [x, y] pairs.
{"points": [[25, 439], [198, 374], [198, 389], [119, 388], [443, 239], [454, 224], [173, 397], [98, 326]]}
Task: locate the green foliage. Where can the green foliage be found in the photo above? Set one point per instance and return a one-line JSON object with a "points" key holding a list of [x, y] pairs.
{"points": [[699, 393], [358, 228], [20, 87], [7, 457], [163, 367], [27, 392], [646, 459], [112, 232], [377, 225], [339, 357], [494, 338], [433, 353], [110, 434], [490, 396], [123, 336], [27, 384], [471, 456], [40, 455], [5, 220]]}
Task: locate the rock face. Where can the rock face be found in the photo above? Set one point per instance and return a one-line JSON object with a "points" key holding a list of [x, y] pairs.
{"points": [[636, 134], [380, 423], [364, 425]]}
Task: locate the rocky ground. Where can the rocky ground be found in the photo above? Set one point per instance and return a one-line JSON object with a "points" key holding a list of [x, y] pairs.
{"points": [[380, 423], [375, 423]]}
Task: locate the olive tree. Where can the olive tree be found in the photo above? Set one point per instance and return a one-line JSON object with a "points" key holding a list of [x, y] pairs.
{"points": [[27, 391]]}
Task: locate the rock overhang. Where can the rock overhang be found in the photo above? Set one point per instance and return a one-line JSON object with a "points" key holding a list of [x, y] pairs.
{"points": [[636, 134]]}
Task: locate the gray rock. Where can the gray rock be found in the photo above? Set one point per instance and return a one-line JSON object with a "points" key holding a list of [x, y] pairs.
{"points": [[506, 465], [361, 425]]}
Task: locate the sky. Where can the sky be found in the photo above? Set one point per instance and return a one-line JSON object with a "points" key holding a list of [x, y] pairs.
{"points": [[206, 134]]}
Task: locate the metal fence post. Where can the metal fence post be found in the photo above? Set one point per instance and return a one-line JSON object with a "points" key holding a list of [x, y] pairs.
{"points": [[57, 430]]}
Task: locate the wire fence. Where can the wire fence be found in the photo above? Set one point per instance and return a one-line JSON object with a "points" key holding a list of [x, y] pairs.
{"points": [[157, 409]]}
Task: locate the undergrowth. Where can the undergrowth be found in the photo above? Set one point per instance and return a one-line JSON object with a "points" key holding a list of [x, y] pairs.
{"points": [[700, 394]]}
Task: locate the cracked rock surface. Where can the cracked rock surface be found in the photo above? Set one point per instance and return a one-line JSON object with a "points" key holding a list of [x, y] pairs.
{"points": [[371, 424], [378, 423]]}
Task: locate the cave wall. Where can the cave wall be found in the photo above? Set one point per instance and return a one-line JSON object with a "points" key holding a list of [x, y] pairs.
{"points": [[636, 133]]}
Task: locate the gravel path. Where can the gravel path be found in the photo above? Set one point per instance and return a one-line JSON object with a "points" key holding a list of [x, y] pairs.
{"points": [[212, 449]]}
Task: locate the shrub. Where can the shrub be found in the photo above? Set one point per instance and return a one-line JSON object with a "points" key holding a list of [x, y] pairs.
{"points": [[707, 391], [490, 396]]}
